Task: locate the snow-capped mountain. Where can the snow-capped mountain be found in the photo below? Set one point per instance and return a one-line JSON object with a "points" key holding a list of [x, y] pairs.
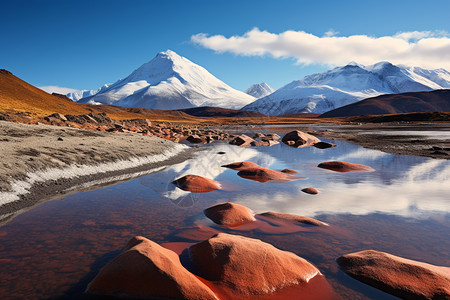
{"points": [[340, 86], [170, 81], [77, 95], [259, 90]]}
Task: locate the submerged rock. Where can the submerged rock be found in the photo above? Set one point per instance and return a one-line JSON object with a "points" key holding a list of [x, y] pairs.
{"points": [[147, 270], [342, 166], [310, 190], [230, 214], [401, 277], [196, 184], [249, 266], [241, 165], [295, 219], [299, 139], [263, 175]]}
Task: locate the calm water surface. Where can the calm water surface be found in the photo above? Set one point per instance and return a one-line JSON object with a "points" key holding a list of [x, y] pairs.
{"points": [[403, 207]]}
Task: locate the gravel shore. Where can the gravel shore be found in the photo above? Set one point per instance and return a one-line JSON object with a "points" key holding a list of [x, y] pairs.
{"points": [[38, 161]]}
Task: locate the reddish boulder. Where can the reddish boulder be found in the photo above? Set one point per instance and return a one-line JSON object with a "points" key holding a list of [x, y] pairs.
{"points": [[289, 171], [310, 190], [299, 139], [229, 214], [242, 140], [147, 270], [238, 166], [401, 277], [249, 266], [299, 220], [342, 166], [196, 184], [324, 145], [264, 175]]}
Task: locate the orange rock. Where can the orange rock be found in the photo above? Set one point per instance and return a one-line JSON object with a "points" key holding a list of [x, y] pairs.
{"points": [[249, 266], [299, 139], [147, 270], [264, 175], [342, 166], [229, 214], [310, 190], [293, 218], [401, 277], [241, 165], [196, 184], [289, 171]]}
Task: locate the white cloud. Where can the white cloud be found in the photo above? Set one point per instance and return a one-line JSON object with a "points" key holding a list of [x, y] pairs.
{"points": [[57, 89], [416, 48]]}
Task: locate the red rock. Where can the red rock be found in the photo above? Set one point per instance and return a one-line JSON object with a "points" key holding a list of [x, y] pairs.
{"points": [[229, 214], [147, 270], [310, 190], [242, 140], [264, 175], [299, 139], [401, 277], [196, 184], [342, 166], [324, 145], [289, 171], [249, 266], [293, 218], [241, 165]]}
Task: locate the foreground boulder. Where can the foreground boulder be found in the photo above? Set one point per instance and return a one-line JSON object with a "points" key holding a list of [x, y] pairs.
{"points": [[195, 139], [295, 219], [242, 141], [249, 266], [229, 214], [241, 165], [299, 139], [196, 184], [147, 270], [263, 175], [343, 166], [401, 277]]}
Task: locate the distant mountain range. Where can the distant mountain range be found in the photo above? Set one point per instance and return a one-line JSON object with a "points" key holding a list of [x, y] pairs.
{"points": [[259, 90], [340, 86], [170, 81], [434, 101]]}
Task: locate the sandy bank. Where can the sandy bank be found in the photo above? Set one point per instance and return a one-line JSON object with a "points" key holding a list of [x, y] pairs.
{"points": [[40, 160]]}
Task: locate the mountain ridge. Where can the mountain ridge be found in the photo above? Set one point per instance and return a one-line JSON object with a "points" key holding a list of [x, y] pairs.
{"points": [[432, 101], [321, 92]]}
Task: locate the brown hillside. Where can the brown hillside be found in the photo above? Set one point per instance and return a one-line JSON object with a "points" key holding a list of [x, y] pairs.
{"points": [[434, 101], [17, 95], [208, 111]]}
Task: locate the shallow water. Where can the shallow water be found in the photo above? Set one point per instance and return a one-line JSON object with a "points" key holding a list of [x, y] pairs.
{"points": [[403, 207]]}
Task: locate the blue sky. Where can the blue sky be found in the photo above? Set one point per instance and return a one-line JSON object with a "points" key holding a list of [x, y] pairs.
{"points": [[84, 44]]}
